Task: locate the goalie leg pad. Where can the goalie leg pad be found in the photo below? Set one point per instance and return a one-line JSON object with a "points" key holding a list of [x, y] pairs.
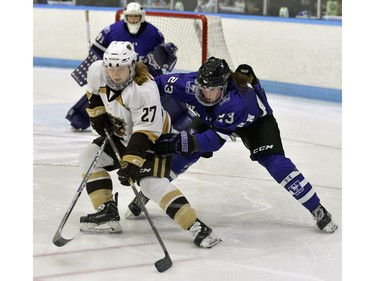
{"points": [[77, 115]]}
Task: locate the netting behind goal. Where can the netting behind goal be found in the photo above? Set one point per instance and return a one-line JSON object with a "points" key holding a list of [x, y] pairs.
{"points": [[197, 37]]}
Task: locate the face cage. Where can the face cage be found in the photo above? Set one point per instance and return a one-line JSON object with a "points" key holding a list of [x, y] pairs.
{"points": [[133, 27], [201, 98], [122, 86]]}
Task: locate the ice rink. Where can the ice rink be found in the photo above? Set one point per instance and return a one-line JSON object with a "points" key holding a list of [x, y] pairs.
{"points": [[267, 235]]}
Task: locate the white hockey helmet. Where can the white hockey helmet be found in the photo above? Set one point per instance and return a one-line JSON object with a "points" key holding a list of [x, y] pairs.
{"points": [[119, 54], [134, 8]]}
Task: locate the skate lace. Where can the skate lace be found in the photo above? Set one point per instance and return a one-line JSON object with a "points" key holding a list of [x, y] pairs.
{"points": [[195, 228], [98, 210], [318, 214]]}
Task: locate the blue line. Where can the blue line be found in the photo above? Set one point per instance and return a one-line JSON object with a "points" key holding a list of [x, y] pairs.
{"points": [[281, 88]]}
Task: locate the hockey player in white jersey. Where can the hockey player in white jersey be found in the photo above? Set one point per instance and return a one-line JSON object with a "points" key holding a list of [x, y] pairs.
{"points": [[124, 98]]}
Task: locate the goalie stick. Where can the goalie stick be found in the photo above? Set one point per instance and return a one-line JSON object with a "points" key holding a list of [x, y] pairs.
{"points": [[88, 33], [58, 240], [80, 72], [166, 262]]}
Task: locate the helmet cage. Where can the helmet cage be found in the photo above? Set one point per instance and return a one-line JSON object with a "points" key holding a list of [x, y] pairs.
{"points": [[119, 87], [201, 97], [134, 9]]}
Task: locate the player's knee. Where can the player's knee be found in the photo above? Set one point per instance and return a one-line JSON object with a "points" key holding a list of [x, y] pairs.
{"points": [[87, 156], [156, 188]]}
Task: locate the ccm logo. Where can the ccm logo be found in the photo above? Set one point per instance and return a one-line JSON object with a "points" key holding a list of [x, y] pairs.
{"points": [[262, 148], [145, 170]]}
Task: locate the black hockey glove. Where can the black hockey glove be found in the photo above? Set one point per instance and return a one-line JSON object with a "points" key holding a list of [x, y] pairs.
{"points": [[128, 171], [182, 143], [99, 118], [248, 71], [100, 122], [134, 158]]}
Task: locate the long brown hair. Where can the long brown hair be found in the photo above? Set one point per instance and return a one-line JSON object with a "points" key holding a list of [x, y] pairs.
{"points": [[141, 73], [241, 81]]}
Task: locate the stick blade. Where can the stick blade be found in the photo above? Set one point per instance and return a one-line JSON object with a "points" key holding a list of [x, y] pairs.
{"points": [[59, 241], [163, 264]]}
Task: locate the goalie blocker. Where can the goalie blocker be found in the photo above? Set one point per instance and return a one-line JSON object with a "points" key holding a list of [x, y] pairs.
{"points": [[162, 57]]}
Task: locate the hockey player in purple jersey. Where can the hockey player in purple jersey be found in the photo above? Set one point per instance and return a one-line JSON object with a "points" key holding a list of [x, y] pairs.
{"points": [[235, 103], [148, 41]]}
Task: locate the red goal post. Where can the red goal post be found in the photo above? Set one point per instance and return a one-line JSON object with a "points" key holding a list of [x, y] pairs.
{"points": [[196, 36]]}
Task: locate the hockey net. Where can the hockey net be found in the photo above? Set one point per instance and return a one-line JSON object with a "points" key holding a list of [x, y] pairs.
{"points": [[196, 36]]}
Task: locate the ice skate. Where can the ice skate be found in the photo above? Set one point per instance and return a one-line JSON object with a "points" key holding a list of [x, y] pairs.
{"points": [[324, 219], [203, 236], [135, 208], [104, 221]]}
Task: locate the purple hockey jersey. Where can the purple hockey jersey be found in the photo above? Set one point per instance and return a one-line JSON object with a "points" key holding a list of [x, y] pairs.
{"points": [[145, 41], [236, 110]]}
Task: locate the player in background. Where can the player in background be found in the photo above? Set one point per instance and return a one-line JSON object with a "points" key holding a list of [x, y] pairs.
{"points": [[124, 98], [148, 42], [235, 103]]}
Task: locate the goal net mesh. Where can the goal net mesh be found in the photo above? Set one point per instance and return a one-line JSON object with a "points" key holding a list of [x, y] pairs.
{"points": [[187, 32]]}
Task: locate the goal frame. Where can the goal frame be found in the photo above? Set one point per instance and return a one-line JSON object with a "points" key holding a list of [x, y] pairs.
{"points": [[200, 17]]}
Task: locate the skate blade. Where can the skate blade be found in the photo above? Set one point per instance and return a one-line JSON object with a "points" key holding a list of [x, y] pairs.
{"points": [[330, 227], [104, 228], [210, 241]]}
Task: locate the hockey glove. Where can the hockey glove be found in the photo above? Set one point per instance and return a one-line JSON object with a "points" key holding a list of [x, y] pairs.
{"points": [[99, 118], [182, 143], [163, 56], [128, 171], [134, 158], [101, 122], [248, 71]]}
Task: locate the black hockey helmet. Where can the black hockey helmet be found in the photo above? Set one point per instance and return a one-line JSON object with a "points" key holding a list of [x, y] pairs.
{"points": [[214, 73]]}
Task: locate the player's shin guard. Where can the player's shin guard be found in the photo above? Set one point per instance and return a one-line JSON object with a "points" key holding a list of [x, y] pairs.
{"points": [[179, 209], [285, 173]]}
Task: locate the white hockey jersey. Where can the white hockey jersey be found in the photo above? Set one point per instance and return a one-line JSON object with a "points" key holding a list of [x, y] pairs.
{"points": [[137, 109]]}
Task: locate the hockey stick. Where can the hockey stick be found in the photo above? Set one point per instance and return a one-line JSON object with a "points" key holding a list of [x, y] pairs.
{"points": [[58, 240], [80, 72], [166, 262], [88, 33]]}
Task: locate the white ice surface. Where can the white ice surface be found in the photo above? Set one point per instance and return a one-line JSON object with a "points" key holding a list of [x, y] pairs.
{"points": [[267, 235]]}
